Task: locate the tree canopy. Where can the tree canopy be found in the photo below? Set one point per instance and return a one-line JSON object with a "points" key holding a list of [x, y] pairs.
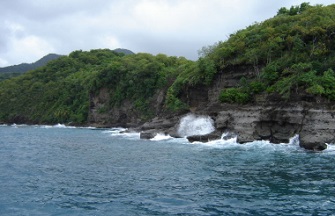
{"points": [[59, 91], [293, 50]]}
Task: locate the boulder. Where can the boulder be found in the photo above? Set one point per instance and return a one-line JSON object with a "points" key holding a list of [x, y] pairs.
{"points": [[314, 146], [204, 138], [148, 134], [320, 147]]}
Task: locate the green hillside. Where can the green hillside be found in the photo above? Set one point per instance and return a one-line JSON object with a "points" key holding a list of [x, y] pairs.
{"points": [[293, 52], [16, 70], [59, 91], [24, 67]]}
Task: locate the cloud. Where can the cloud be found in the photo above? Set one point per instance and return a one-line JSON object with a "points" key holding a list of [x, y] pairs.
{"points": [[37, 47], [21, 45], [110, 41], [33, 28]]}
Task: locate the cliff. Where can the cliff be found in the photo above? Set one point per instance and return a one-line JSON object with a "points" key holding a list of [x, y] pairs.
{"points": [[267, 118], [271, 80]]}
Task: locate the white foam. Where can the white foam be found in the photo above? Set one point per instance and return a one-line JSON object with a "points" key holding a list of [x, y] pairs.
{"points": [[131, 135], [116, 131], [195, 125], [89, 127], [294, 140], [232, 143], [122, 132], [56, 126], [60, 126], [229, 143], [160, 137], [330, 148], [18, 125], [46, 126]]}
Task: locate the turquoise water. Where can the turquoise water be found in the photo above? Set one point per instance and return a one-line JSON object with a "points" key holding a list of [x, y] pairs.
{"points": [[55, 170]]}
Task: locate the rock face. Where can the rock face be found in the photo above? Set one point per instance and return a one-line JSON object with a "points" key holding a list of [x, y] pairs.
{"points": [[125, 115], [318, 128], [315, 127], [278, 124], [267, 118]]}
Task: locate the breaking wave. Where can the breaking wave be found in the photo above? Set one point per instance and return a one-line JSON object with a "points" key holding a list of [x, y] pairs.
{"points": [[160, 137], [195, 125]]}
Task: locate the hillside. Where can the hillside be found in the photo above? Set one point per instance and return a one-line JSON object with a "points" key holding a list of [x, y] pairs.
{"points": [[24, 67], [124, 51], [61, 90], [250, 84], [16, 70], [294, 52]]}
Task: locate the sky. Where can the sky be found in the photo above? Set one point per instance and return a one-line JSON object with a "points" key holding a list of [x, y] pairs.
{"points": [[31, 29]]}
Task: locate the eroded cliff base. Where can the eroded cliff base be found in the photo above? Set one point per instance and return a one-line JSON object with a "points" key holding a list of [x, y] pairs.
{"points": [[277, 123]]}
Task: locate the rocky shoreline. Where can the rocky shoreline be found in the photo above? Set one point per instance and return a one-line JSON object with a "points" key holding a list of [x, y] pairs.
{"points": [[315, 127], [268, 117], [314, 124]]}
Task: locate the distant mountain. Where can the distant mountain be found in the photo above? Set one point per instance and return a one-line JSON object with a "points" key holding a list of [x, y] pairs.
{"points": [[124, 51], [16, 70], [24, 67]]}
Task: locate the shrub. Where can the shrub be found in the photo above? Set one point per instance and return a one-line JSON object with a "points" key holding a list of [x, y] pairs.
{"points": [[234, 95], [257, 87]]}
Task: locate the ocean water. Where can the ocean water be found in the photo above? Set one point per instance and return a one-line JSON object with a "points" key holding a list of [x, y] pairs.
{"points": [[57, 170]]}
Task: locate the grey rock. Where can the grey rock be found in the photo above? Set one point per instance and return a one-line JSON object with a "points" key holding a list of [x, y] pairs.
{"points": [[148, 134], [204, 138]]}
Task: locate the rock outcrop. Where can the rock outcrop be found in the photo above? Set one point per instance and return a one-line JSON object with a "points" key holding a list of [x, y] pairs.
{"points": [[278, 124], [205, 138]]}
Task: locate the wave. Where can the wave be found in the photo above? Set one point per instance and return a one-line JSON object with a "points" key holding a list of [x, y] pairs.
{"points": [[257, 144], [117, 130], [64, 126], [122, 132], [19, 125], [330, 148], [221, 143], [161, 137], [55, 126], [14, 125], [195, 125]]}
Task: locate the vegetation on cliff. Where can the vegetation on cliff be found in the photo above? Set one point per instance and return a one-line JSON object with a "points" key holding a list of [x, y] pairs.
{"points": [[293, 52], [59, 91]]}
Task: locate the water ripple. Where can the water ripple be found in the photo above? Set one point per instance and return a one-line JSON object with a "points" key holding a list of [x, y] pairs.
{"points": [[91, 172]]}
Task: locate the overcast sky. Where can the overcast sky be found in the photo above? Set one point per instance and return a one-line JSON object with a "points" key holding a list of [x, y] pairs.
{"points": [[31, 29]]}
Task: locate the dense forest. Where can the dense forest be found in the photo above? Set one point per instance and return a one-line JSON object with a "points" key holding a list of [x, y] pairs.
{"points": [[295, 51], [59, 91], [292, 52]]}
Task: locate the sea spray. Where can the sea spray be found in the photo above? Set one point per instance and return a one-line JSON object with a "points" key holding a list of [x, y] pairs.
{"points": [[195, 125], [160, 137]]}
